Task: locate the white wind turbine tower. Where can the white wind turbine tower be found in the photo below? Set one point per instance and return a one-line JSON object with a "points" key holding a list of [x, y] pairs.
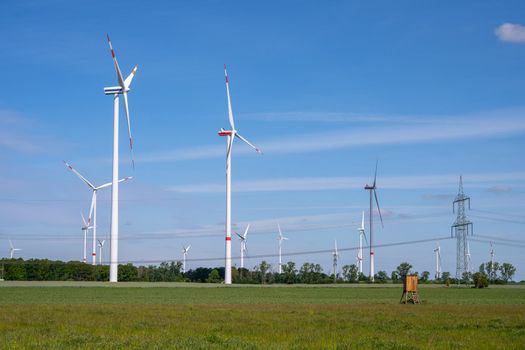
{"points": [[231, 135], [93, 210], [243, 244], [12, 250], [335, 256], [85, 229], [100, 246], [362, 235], [373, 189], [184, 253], [281, 239], [469, 262], [491, 260], [122, 88], [438, 261]]}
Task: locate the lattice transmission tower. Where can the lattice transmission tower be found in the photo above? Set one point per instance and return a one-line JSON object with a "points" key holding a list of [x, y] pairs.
{"points": [[461, 228]]}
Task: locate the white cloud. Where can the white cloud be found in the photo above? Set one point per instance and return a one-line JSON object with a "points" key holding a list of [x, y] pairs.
{"points": [[346, 183], [507, 122], [509, 32]]}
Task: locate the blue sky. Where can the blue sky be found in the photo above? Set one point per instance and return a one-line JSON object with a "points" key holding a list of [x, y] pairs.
{"points": [[431, 91]]}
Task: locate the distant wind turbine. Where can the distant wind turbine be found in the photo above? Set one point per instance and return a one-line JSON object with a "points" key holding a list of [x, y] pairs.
{"points": [[469, 261], [122, 89], [372, 190], [12, 250], [85, 228], [335, 256], [184, 253], [438, 261], [242, 238], [231, 135], [93, 210], [100, 246], [362, 235], [281, 239]]}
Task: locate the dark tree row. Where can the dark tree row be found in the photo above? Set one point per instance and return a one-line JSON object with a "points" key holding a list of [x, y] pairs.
{"points": [[308, 273]]}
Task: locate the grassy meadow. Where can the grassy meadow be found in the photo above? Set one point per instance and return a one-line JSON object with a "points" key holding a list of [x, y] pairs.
{"points": [[58, 316]]}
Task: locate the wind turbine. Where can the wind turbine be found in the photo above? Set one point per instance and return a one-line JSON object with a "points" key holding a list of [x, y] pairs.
{"points": [[85, 229], [281, 239], [184, 253], [243, 244], [438, 261], [372, 189], [122, 88], [362, 235], [335, 256], [491, 260], [231, 135], [100, 246], [469, 262], [93, 210], [12, 250]]}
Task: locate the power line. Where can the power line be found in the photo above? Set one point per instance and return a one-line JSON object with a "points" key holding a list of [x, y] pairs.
{"points": [[273, 255]]}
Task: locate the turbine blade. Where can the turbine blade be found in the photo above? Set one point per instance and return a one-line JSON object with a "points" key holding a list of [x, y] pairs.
{"points": [[366, 239], [375, 176], [230, 112], [11, 244], [130, 77], [117, 68], [363, 220], [230, 145], [249, 143], [240, 237], [378, 208], [246, 231], [83, 220], [92, 207], [111, 183], [188, 247], [126, 109], [280, 233], [79, 175]]}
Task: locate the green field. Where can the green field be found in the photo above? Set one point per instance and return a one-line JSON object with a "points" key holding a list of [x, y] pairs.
{"points": [[51, 315]]}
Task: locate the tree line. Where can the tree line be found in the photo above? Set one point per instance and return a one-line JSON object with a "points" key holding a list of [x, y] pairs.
{"points": [[308, 273]]}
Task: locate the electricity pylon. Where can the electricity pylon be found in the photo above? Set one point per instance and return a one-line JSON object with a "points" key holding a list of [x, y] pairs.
{"points": [[460, 230]]}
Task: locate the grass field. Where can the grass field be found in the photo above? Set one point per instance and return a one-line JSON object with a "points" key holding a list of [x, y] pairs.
{"points": [[54, 316]]}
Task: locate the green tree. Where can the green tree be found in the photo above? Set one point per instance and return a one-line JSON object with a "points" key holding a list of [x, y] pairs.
{"points": [[213, 277], [381, 277], [507, 272], [311, 273], [425, 275], [480, 280], [394, 276], [263, 269], [127, 273], [466, 277], [289, 272], [403, 269], [350, 273], [445, 277]]}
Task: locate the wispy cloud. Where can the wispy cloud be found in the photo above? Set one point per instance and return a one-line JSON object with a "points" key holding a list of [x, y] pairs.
{"points": [[509, 32], [500, 189], [23, 135], [10, 136], [438, 197], [346, 183], [487, 125], [331, 117]]}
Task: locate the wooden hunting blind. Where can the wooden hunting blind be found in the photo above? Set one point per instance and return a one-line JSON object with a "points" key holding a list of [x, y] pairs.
{"points": [[410, 292]]}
